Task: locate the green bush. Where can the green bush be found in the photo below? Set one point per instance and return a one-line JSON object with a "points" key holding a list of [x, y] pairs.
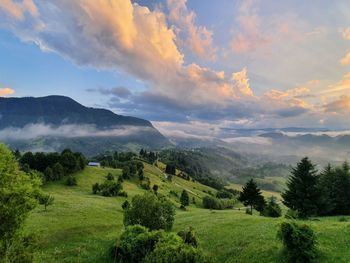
{"points": [[110, 177], [210, 202], [96, 188], [272, 209], [299, 242], [110, 188], [150, 211], [189, 237], [138, 244], [71, 181]]}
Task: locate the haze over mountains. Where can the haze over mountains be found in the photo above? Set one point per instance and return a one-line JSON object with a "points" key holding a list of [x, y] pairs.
{"points": [[53, 123], [56, 122]]}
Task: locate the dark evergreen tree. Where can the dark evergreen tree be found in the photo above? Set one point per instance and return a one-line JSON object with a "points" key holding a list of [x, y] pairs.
{"points": [[251, 196], [155, 188], [184, 199], [302, 194], [170, 169], [58, 171]]}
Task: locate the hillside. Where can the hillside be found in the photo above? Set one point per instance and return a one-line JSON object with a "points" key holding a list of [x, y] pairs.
{"points": [[81, 227], [53, 123]]}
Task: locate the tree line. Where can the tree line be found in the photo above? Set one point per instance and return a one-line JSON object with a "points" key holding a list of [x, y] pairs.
{"points": [[313, 193], [53, 165]]}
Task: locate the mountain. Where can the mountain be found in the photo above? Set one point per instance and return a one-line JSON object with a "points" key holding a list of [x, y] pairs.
{"points": [[53, 123]]}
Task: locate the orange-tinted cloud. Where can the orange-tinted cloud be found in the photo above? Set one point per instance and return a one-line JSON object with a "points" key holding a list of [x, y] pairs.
{"points": [[17, 9], [339, 106], [345, 60], [6, 92], [197, 38]]}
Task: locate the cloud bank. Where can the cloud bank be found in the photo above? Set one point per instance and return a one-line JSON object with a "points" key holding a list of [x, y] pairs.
{"points": [[40, 130]]}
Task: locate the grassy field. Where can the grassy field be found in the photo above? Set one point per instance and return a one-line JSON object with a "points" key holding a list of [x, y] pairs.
{"points": [[81, 227]]}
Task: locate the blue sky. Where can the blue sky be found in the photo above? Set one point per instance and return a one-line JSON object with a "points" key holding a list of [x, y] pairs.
{"points": [[188, 66]]}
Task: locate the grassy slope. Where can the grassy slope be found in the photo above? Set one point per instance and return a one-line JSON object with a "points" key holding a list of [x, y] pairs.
{"points": [[80, 227]]}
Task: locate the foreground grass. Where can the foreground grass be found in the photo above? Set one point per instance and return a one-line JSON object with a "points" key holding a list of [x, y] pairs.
{"points": [[81, 227]]}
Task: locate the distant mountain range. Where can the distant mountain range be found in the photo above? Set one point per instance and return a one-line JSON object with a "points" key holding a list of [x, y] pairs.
{"points": [[57, 122]]}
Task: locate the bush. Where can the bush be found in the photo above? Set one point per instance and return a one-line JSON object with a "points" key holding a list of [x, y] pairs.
{"points": [[299, 242], [111, 188], [272, 209], [146, 184], [110, 177], [150, 211], [70, 181], [224, 194], [138, 244], [210, 202], [46, 200], [96, 188], [126, 205], [189, 237]]}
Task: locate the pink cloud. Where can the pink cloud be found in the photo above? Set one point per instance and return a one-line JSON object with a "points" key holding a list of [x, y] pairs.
{"points": [[6, 92]]}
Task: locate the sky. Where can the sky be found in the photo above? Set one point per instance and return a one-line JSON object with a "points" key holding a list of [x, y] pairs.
{"points": [[192, 67]]}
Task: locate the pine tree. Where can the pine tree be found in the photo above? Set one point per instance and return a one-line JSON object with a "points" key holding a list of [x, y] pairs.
{"points": [[302, 194], [184, 199], [251, 196]]}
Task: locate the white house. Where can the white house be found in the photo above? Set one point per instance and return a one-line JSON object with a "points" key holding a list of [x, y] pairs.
{"points": [[94, 164]]}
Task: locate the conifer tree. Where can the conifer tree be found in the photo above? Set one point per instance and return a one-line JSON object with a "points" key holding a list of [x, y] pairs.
{"points": [[251, 196], [302, 194]]}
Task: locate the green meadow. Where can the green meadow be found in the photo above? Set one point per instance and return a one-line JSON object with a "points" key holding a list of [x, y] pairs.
{"points": [[82, 227]]}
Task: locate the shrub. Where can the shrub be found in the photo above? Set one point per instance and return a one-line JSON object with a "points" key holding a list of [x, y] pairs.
{"points": [[175, 252], [138, 244], [150, 211], [46, 200], [272, 209], [299, 242], [96, 188], [70, 181], [224, 194], [210, 202], [126, 205], [184, 199], [111, 188], [146, 184], [110, 177], [189, 237]]}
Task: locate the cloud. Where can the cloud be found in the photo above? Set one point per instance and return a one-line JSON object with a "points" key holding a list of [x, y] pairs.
{"points": [[345, 60], [40, 130], [345, 33], [339, 106], [18, 9], [120, 36], [6, 92], [120, 92], [198, 39]]}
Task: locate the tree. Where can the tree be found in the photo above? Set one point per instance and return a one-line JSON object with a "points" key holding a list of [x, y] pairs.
{"points": [[150, 211], [48, 173], [18, 192], [155, 188], [126, 205], [170, 169], [96, 188], [302, 194], [184, 199], [46, 200], [141, 175], [251, 196], [272, 209], [58, 171]]}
